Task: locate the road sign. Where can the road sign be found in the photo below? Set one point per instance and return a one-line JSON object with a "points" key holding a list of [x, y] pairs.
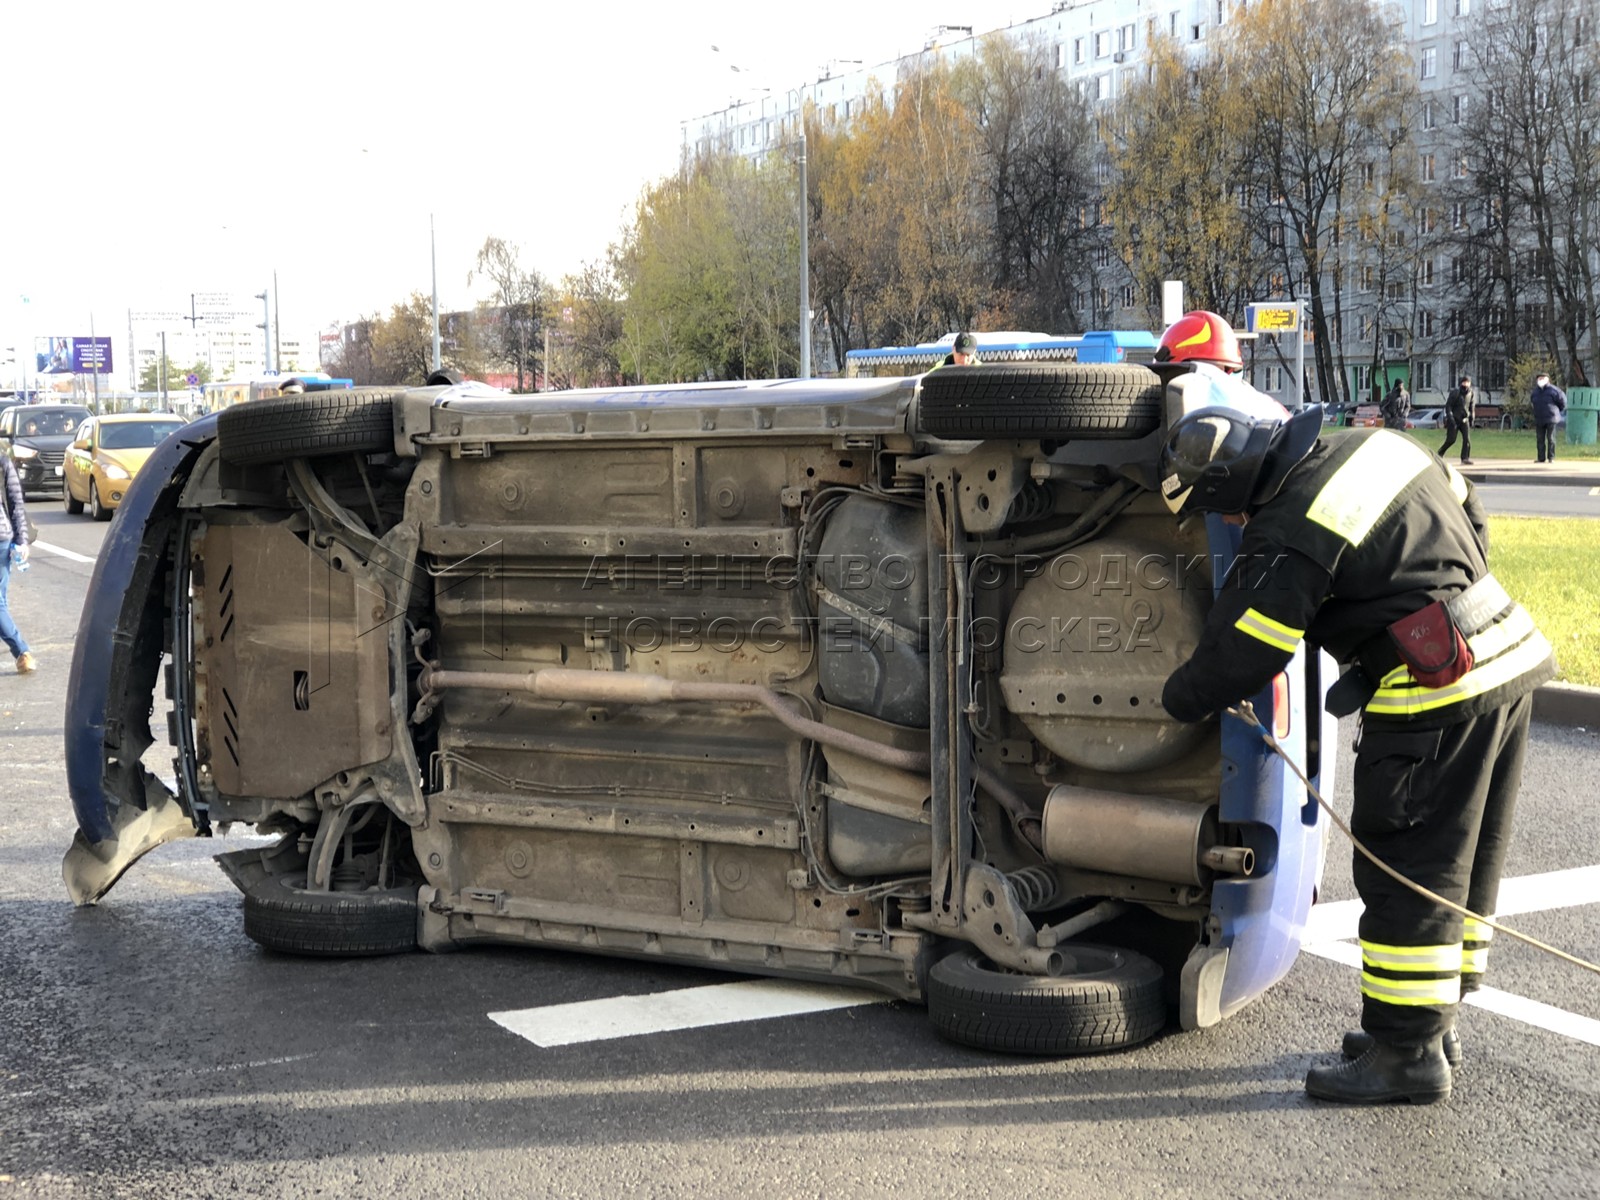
{"points": [[191, 379], [1272, 318]]}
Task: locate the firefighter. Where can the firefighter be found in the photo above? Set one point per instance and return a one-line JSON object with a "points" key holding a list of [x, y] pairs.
{"points": [[1366, 545], [1200, 337]]}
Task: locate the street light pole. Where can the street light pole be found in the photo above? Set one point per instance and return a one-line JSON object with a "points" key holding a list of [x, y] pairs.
{"points": [[805, 255], [433, 255], [266, 328]]}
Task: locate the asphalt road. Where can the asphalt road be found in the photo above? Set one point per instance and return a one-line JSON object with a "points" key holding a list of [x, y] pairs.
{"points": [[1536, 500], [148, 1049]]}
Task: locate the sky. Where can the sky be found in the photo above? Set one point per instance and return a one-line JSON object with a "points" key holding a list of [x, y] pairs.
{"points": [[168, 147]]}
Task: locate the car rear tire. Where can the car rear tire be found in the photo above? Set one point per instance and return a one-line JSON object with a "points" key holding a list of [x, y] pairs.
{"points": [[280, 914], [97, 510], [1107, 999], [354, 421], [1109, 401], [74, 507]]}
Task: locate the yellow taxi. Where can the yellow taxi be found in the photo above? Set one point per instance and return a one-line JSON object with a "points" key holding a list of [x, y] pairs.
{"points": [[106, 453]]}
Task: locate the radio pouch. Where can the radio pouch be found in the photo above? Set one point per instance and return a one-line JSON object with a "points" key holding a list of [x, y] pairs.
{"points": [[1431, 646]]}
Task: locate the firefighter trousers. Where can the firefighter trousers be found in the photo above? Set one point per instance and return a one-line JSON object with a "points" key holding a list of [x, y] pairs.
{"points": [[1436, 805]]}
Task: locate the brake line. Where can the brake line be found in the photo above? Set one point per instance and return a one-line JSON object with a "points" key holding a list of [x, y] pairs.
{"points": [[1246, 712]]}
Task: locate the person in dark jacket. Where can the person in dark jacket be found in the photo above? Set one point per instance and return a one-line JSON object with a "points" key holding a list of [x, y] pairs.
{"points": [[13, 533], [1395, 407], [1458, 413], [1366, 545], [963, 354], [1549, 408]]}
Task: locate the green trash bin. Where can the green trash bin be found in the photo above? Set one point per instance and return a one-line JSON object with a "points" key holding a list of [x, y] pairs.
{"points": [[1583, 412]]}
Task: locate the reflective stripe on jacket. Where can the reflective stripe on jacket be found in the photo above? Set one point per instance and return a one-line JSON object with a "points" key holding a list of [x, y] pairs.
{"points": [[1370, 528]]}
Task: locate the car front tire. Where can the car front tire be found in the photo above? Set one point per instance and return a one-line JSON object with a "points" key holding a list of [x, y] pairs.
{"points": [[1105, 999], [97, 510], [354, 421], [1095, 401], [281, 914]]}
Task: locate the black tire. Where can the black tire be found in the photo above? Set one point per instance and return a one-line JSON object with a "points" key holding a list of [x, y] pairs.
{"points": [[74, 507], [1111, 401], [281, 915], [1107, 999], [97, 511], [354, 421]]}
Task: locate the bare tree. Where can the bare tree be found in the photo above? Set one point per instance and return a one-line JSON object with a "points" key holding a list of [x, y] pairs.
{"points": [[1037, 144], [1327, 88], [1528, 157], [1183, 200], [510, 319]]}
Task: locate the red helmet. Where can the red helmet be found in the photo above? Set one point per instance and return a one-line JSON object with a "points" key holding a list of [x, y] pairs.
{"points": [[1200, 337]]}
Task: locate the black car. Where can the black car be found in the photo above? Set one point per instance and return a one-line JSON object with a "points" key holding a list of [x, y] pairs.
{"points": [[35, 437]]}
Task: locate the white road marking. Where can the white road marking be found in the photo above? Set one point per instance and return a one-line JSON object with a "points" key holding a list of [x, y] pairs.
{"points": [[684, 1008], [1518, 1008], [1337, 921], [62, 551], [1594, 491], [1327, 931], [1330, 925]]}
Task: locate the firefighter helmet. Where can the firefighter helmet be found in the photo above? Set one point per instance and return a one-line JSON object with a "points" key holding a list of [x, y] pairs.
{"points": [[1220, 460], [1200, 337]]}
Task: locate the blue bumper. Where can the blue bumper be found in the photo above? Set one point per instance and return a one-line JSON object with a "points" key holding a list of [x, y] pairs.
{"points": [[1262, 919], [103, 704]]}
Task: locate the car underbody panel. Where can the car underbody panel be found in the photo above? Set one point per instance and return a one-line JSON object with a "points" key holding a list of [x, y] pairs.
{"points": [[750, 676]]}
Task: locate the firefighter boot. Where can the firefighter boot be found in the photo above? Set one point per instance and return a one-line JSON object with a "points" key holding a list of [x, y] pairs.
{"points": [[1358, 1041], [1384, 1074]]}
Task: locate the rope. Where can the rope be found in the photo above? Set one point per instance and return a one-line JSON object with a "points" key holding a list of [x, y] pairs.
{"points": [[1246, 712]]}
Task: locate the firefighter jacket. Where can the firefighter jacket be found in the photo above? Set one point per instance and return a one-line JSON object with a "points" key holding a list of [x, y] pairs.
{"points": [[1368, 529]]}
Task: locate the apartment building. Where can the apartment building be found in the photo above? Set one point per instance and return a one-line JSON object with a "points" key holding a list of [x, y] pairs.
{"points": [[1401, 305]]}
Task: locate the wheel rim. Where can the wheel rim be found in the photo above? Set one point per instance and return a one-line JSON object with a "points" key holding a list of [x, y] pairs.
{"points": [[1077, 962]]}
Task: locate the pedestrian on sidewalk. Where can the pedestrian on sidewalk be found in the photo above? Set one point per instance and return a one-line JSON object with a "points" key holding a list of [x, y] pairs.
{"points": [[1549, 410], [1396, 407], [1458, 406], [13, 535]]}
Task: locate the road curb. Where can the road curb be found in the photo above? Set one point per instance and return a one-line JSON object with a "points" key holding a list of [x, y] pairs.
{"points": [[1567, 704], [1543, 479]]}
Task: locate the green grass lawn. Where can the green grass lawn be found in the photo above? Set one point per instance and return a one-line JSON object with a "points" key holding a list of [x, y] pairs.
{"points": [[1495, 443], [1552, 565]]}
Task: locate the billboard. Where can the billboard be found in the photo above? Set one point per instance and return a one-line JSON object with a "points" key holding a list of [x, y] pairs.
{"points": [[72, 356]]}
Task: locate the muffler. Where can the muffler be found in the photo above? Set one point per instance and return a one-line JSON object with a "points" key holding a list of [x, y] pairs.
{"points": [[1146, 837]]}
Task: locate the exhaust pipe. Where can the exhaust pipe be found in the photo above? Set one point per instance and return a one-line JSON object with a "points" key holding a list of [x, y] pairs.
{"points": [[1145, 837]]}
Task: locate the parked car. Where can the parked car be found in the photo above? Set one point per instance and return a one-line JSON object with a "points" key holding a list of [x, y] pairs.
{"points": [[1426, 418], [35, 438], [106, 453], [849, 680]]}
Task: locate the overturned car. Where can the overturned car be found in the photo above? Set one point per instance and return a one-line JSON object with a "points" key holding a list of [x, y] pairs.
{"points": [[846, 680]]}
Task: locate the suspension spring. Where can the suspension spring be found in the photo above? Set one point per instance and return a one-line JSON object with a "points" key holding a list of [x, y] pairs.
{"points": [[1035, 887], [1034, 501]]}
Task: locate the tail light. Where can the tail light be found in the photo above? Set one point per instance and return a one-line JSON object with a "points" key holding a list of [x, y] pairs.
{"points": [[1280, 706]]}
